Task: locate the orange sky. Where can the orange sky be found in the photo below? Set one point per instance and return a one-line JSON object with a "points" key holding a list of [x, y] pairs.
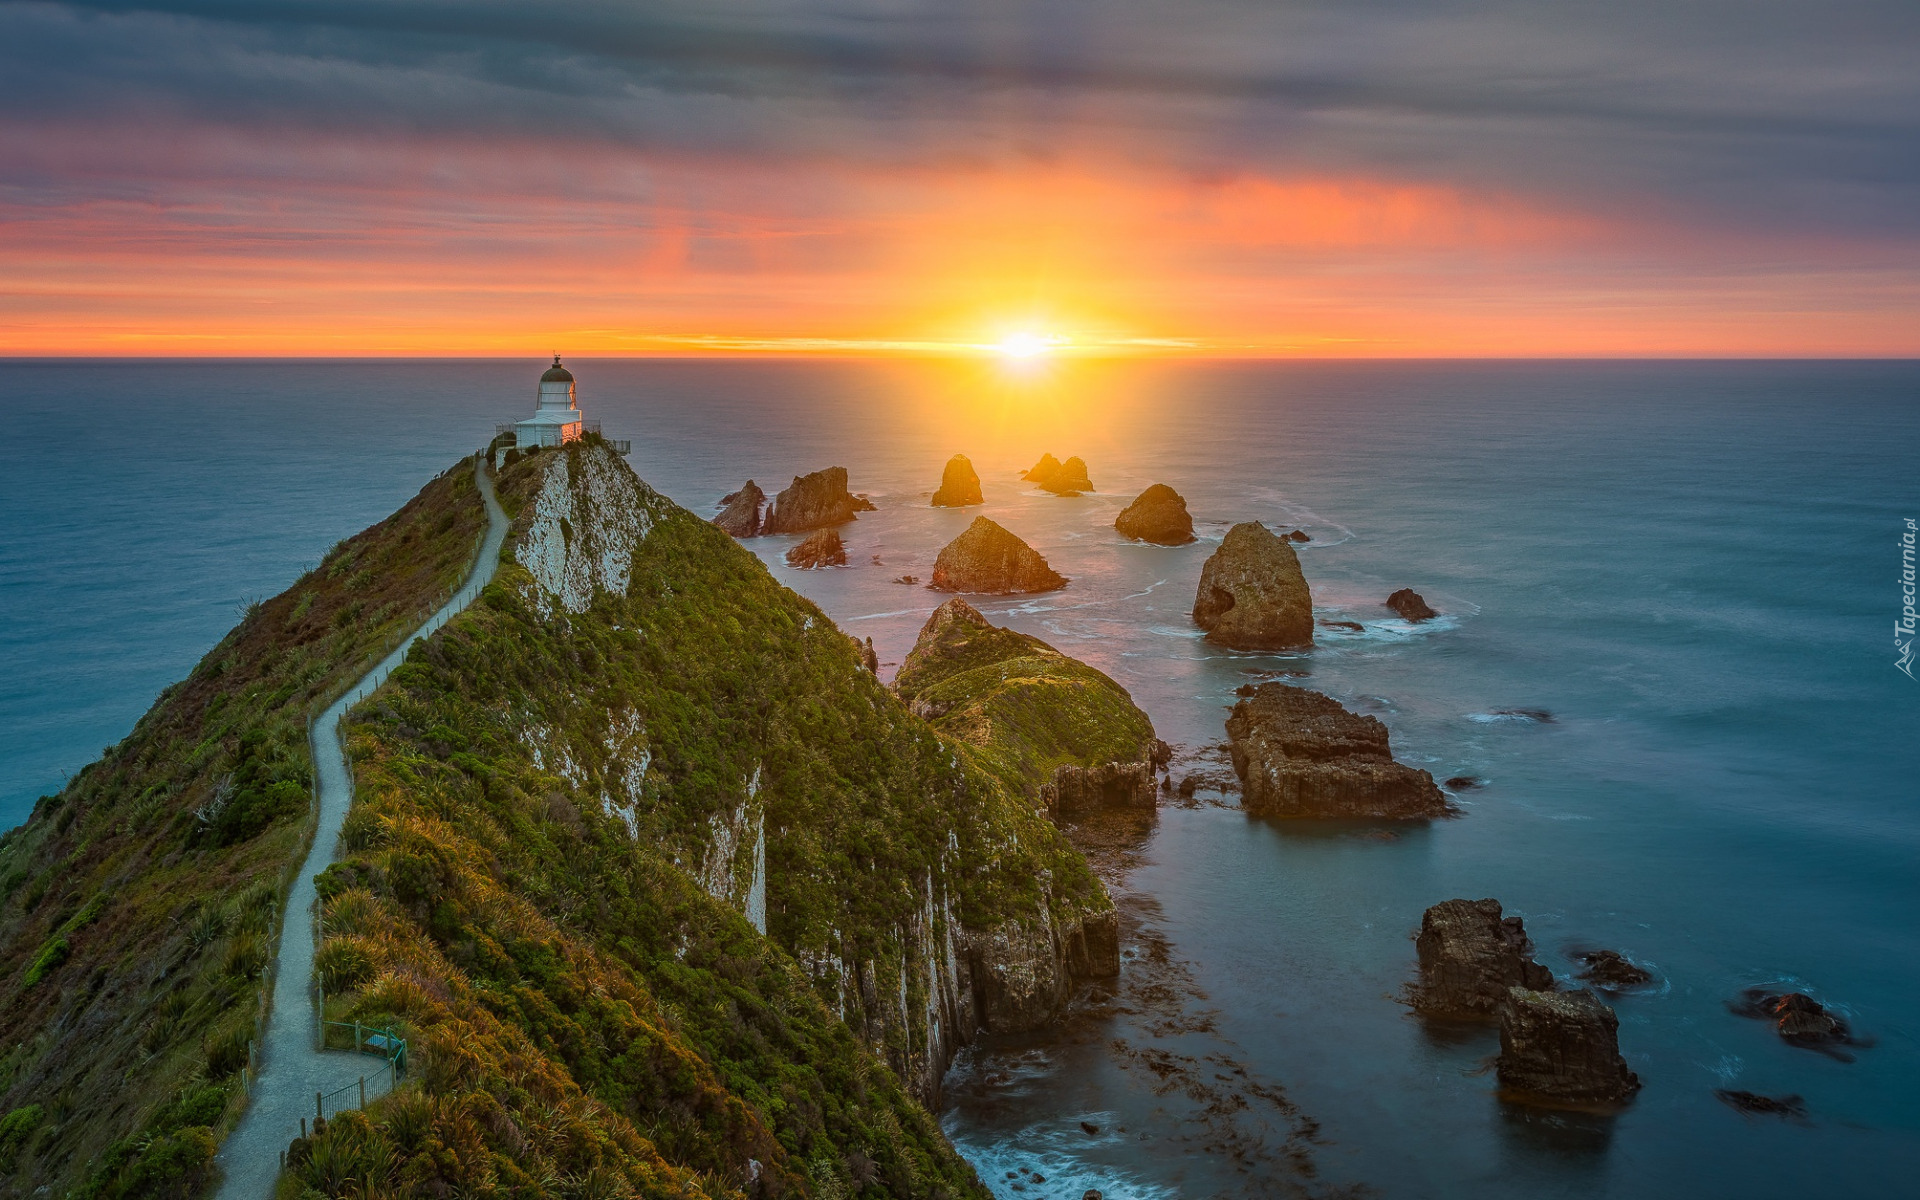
{"points": [[192, 185]]}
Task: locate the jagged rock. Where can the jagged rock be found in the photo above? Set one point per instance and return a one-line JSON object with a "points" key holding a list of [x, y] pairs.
{"points": [[987, 558], [959, 485], [869, 657], [1297, 535], [819, 549], [1409, 604], [1023, 976], [1756, 1104], [1611, 969], [1252, 595], [1158, 515], [1061, 478], [742, 512], [1470, 957], [1797, 1017], [1074, 790], [814, 502], [1562, 1048], [1300, 754], [1463, 783]]}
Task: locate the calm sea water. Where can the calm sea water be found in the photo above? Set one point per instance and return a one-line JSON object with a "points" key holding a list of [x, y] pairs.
{"points": [[1691, 566]]}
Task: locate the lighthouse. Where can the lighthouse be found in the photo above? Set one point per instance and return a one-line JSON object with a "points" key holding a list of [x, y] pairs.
{"points": [[557, 420]]}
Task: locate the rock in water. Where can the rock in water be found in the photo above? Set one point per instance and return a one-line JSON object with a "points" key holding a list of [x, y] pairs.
{"points": [[986, 558], [1299, 754], [1158, 515], [1409, 604], [821, 549], [1771, 1106], [741, 511], [814, 502], [1799, 1018], [1562, 1048], [1611, 969], [1470, 956], [959, 485], [1061, 478], [1252, 595]]}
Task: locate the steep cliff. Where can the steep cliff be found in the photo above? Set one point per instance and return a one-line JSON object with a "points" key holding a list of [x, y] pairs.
{"points": [[586, 800], [669, 894], [138, 905]]}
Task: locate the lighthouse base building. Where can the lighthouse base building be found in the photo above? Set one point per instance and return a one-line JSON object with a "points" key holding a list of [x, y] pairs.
{"points": [[556, 420]]}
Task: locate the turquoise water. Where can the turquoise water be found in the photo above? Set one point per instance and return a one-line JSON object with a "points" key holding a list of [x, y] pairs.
{"points": [[1691, 566]]}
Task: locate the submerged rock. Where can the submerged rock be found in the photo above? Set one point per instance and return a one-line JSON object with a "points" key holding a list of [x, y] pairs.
{"points": [[1464, 783], [820, 549], [907, 579], [1061, 478], [742, 512], [1297, 535], [1252, 595], [1611, 969], [1158, 515], [1300, 754], [1562, 1048], [814, 502], [1470, 956], [1758, 1105], [959, 484], [987, 558], [1409, 604]]}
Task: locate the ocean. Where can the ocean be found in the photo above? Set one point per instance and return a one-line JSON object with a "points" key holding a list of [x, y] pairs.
{"points": [[1687, 571]]}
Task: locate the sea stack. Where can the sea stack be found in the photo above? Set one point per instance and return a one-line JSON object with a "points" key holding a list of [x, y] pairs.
{"points": [[959, 484], [814, 502], [1300, 754], [1252, 595], [987, 558], [741, 512], [1061, 478], [1158, 515], [1410, 605], [1562, 1048], [1470, 957], [820, 549]]}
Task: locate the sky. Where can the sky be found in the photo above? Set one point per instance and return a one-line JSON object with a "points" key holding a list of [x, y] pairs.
{"points": [[1219, 177]]}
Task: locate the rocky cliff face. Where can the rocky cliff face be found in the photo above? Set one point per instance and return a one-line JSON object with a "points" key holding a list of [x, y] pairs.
{"points": [[1252, 595], [1470, 957], [814, 502], [1157, 515], [743, 512], [987, 558], [959, 484], [973, 915], [1300, 754], [1562, 1048]]}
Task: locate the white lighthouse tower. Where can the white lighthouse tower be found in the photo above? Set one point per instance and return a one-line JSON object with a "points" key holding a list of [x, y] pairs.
{"points": [[557, 420]]}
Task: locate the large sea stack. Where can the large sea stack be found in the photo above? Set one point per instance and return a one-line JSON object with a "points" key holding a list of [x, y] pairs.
{"points": [[1158, 515], [959, 484], [814, 502], [986, 558], [822, 548], [1055, 729], [1470, 957], [1061, 478], [742, 512], [1300, 754], [1562, 1048], [1252, 595]]}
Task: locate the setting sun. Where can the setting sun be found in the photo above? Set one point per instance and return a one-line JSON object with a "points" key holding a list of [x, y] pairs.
{"points": [[1027, 344]]}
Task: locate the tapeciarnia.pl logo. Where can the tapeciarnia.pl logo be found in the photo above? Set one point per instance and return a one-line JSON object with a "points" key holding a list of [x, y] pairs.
{"points": [[1903, 628]]}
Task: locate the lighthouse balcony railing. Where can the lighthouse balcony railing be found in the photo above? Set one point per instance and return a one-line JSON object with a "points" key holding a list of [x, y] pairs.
{"points": [[590, 426], [503, 427]]}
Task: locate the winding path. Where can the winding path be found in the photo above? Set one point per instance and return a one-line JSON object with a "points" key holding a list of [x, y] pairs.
{"points": [[289, 1069]]}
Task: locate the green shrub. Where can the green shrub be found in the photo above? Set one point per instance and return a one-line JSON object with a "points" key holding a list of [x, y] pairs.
{"points": [[46, 962], [15, 1128]]}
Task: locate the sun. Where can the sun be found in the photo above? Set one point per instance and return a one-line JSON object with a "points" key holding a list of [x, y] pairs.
{"points": [[1025, 344]]}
